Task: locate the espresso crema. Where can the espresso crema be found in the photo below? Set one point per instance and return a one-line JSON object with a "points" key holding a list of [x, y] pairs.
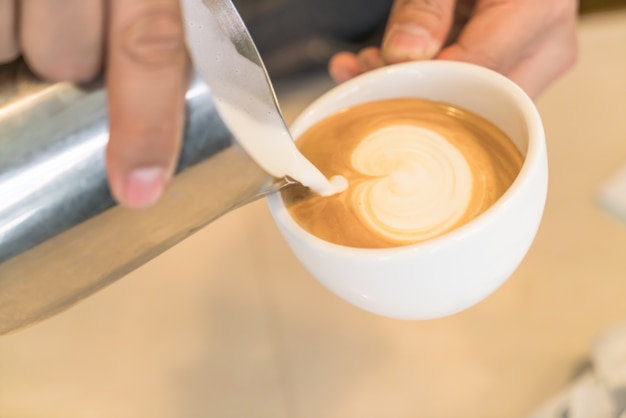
{"points": [[416, 169]]}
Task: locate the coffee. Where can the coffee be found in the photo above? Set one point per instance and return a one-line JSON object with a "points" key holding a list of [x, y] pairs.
{"points": [[416, 169]]}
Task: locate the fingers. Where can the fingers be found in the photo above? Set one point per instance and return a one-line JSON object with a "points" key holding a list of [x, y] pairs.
{"points": [[345, 65], [62, 42], [529, 41], [537, 71], [146, 80], [8, 31], [492, 38], [553, 54], [416, 29]]}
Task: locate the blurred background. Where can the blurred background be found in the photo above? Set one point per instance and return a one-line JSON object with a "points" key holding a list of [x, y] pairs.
{"points": [[228, 324]]}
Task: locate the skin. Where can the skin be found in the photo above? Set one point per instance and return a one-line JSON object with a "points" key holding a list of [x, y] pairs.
{"points": [[533, 42], [140, 46]]}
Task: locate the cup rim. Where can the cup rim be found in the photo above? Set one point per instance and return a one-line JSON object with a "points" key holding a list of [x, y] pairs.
{"points": [[533, 154]]}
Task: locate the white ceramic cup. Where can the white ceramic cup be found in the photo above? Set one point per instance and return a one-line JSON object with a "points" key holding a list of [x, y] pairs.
{"points": [[456, 270]]}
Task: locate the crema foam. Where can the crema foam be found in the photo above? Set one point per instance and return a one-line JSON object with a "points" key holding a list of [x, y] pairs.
{"points": [[415, 169]]}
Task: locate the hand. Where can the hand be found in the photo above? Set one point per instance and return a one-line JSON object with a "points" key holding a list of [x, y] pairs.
{"points": [[142, 44], [532, 42]]}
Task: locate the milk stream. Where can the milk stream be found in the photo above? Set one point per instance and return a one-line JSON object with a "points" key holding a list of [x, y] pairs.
{"points": [[268, 142], [240, 90]]}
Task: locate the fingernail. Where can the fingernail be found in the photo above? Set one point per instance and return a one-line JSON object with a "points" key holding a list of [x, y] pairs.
{"points": [[408, 42], [143, 187]]}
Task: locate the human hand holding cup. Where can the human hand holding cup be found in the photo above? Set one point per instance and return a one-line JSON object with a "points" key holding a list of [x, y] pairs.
{"points": [[453, 271]]}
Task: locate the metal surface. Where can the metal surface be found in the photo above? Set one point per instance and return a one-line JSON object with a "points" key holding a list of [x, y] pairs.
{"points": [[62, 237], [240, 86]]}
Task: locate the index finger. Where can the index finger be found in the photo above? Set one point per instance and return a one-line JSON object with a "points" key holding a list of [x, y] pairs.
{"points": [[147, 76]]}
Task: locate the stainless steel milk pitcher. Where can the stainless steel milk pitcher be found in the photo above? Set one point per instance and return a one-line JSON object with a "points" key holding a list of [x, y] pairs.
{"points": [[62, 237]]}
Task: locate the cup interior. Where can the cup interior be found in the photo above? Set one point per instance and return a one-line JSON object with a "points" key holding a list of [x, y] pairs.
{"points": [[480, 90]]}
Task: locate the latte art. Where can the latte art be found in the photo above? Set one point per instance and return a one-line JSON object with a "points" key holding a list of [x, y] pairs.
{"points": [[420, 185], [415, 170]]}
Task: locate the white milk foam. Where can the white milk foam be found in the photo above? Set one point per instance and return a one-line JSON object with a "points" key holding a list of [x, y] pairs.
{"points": [[423, 184], [271, 146]]}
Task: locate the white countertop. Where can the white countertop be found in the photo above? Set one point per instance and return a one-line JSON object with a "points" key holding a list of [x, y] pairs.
{"points": [[228, 324]]}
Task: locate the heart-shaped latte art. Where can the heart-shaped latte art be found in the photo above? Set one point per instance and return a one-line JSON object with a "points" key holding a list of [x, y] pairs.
{"points": [[420, 185], [414, 170]]}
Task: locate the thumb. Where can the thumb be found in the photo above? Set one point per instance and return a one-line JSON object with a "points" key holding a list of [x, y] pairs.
{"points": [[416, 29]]}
